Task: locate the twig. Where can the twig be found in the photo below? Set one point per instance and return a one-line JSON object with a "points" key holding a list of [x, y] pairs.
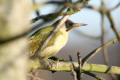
{"points": [[75, 7], [47, 17], [50, 16], [93, 75], [70, 58], [73, 68], [56, 2], [79, 67], [73, 73], [113, 24], [115, 7], [77, 74], [94, 52], [93, 8], [106, 59]]}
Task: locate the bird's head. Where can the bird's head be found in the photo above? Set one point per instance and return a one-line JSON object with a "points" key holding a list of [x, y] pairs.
{"points": [[71, 25]]}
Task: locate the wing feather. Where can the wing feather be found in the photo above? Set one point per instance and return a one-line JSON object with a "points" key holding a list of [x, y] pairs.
{"points": [[36, 39]]}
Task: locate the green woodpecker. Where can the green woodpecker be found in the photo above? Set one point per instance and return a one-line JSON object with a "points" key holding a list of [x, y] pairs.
{"points": [[57, 42]]}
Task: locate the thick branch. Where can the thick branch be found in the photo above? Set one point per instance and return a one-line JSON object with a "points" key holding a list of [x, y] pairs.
{"points": [[66, 66]]}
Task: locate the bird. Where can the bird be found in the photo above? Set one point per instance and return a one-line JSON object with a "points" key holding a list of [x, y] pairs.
{"points": [[57, 42]]}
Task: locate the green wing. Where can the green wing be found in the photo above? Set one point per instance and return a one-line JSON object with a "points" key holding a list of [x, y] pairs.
{"points": [[36, 39]]}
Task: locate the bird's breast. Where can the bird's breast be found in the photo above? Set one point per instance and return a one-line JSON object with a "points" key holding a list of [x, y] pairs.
{"points": [[56, 43]]}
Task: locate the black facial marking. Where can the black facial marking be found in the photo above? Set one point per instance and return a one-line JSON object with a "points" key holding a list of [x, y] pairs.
{"points": [[68, 23]]}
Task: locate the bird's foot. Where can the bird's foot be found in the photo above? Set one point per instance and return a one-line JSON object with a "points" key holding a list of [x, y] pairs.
{"points": [[47, 63], [54, 58]]}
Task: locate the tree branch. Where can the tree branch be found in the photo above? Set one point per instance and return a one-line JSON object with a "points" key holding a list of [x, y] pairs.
{"points": [[66, 66], [94, 52]]}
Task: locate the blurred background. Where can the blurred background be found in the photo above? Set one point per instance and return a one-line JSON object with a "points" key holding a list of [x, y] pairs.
{"points": [[86, 39]]}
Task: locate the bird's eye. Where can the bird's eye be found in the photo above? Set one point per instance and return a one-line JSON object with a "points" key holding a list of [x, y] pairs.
{"points": [[68, 24]]}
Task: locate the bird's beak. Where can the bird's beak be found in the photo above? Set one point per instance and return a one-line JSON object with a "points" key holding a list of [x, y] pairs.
{"points": [[74, 25]]}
